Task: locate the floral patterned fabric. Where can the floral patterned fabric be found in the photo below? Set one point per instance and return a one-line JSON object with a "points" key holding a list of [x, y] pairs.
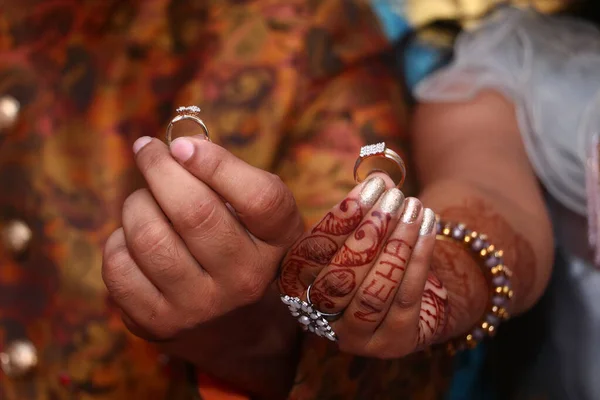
{"points": [[291, 86]]}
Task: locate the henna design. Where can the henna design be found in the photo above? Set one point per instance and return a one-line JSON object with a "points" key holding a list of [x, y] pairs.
{"points": [[369, 236], [479, 215], [334, 284], [342, 224], [290, 281], [317, 248], [434, 311], [453, 266]]}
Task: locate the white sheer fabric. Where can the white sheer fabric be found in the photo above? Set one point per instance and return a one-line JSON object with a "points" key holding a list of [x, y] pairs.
{"points": [[550, 68]]}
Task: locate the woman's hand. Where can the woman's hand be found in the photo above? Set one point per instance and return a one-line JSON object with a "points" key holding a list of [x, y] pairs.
{"points": [[182, 258], [369, 258]]}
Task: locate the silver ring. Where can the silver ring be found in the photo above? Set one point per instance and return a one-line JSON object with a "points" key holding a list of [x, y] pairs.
{"points": [[380, 150], [309, 317], [183, 113]]}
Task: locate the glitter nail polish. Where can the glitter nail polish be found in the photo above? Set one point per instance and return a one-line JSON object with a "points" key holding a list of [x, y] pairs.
{"points": [[428, 223], [392, 201], [372, 190], [411, 211]]}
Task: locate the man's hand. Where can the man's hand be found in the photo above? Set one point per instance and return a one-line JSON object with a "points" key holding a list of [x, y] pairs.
{"points": [[204, 240]]}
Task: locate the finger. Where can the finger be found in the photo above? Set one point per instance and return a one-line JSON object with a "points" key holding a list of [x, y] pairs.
{"points": [[420, 304], [213, 236], [159, 251], [261, 200], [336, 284], [313, 251], [129, 288], [375, 295]]}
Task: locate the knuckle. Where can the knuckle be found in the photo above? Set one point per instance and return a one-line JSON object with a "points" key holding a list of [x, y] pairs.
{"points": [[148, 237], [273, 199], [252, 288], [202, 216], [369, 305], [116, 271], [402, 302], [158, 324]]}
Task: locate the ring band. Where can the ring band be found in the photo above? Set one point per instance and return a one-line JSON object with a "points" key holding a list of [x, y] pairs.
{"points": [[186, 113], [381, 152], [309, 317]]}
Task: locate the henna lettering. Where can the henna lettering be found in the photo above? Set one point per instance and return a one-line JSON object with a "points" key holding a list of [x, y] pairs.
{"points": [[369, 310], [377, 292], [393, 249], [344, 224], [317, 248], [368, 237]]}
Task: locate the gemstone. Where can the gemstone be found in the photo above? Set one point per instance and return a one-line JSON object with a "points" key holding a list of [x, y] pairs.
{"points": [[492, 261], [478, 334], [477, 244], [304, 320], [492, 319], [188, 110], [458, 233], [372, 149], [498, 301], [499, 280]]}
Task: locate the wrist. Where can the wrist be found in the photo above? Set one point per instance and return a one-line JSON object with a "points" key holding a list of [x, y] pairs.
{"points": [[466, 285]]}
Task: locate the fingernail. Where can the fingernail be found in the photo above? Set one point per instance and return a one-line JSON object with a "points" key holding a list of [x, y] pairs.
{"points": [[141, 142], [372, 190], [392, 201], [182, 149], [428, 222], [411, 211]]}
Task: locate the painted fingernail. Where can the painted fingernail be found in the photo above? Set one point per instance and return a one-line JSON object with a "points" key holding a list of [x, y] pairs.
{"points": [[392, 201], [428, 222], [182, 149], [141, 142], [411, 211], [372, 190]]}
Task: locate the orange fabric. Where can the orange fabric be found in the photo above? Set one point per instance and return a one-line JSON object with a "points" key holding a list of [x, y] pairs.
{"points": [[211, 389]]}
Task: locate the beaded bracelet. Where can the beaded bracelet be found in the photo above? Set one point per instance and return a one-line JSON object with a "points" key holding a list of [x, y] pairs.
{"points": [[491, 261]]}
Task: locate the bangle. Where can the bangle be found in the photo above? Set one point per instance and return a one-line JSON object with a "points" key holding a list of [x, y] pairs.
{"points": [[498, 275]]}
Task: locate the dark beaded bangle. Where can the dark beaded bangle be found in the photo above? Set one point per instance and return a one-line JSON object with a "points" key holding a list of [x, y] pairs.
{"points": [[498, 275]]}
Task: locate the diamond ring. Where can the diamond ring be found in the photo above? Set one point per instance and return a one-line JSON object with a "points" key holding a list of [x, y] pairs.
{"points": [[309, 317], [377, 157], [186, 113]]}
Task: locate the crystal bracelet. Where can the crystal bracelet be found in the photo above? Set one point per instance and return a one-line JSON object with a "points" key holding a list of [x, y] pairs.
{"points": [[498, 275]]}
